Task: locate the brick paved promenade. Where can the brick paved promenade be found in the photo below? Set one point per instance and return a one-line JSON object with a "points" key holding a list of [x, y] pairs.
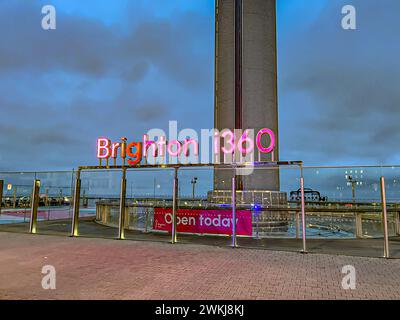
{"points": [[111, 269]]}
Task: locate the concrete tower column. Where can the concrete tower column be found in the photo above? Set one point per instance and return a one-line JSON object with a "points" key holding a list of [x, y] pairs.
{"points": [[258, 88]]}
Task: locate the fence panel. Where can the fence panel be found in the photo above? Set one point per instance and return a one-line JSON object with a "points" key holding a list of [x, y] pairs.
{"points": [[149, 191], [16, 201], [349, 220], [343, 206], [54, 213], [98, 187]]}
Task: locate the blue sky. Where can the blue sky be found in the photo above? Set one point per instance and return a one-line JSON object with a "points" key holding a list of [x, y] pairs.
{"points": [[119, 68]]}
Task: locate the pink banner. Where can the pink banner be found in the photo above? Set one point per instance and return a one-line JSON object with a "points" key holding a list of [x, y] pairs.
{"points": [[203, 221]]}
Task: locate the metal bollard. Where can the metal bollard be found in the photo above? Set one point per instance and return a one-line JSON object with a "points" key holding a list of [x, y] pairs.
{"points": [[77, 199], [175, 207], [122, 200], [1, 193], [234, 242], [303, 215], [34, 206], [384, 220]]}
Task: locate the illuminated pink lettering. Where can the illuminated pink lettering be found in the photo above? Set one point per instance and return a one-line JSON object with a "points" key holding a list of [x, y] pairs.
{"points": [[230, 141], [147, 144], [103, 148], [161, 145], [244, 139], [226, 142], [186, 145], [271, 146], [178, 148], [217, 142]]}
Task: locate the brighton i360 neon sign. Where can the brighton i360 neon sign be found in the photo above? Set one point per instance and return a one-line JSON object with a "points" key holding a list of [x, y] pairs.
{"points": [[134, 152]]}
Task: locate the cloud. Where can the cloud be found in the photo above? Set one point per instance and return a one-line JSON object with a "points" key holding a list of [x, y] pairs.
{"points": [[61, 89], [339, 97], [339, 89], [88, 46]]}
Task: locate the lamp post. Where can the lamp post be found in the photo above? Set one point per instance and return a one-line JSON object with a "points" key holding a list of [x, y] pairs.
{"points": [[353, 183], [60, 198], [193, 182]]}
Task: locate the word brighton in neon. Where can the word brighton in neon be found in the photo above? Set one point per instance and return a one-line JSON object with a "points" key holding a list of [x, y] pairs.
{"points": [[134, 152]]}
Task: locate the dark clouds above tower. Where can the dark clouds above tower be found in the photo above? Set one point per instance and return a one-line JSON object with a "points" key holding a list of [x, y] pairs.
{"points": [[119, 68]]}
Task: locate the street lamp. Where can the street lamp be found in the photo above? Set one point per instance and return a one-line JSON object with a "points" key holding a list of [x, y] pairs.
{"points": [[353, 183], [193, 182]]}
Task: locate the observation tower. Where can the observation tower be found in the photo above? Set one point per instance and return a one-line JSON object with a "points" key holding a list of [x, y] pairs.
{"points": [[246, 81]]}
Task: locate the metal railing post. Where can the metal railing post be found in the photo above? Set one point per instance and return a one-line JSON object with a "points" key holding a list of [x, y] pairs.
{"points": [[297, 224], [72, 192], [147, 220], [257, 224], [15, 196], [234, 243], [397, 222], [384, 220], [303, 215], [34, 206], [396, 217], [77, 199], [174, 207], [1, 193], [122, 200], [359, 230]]}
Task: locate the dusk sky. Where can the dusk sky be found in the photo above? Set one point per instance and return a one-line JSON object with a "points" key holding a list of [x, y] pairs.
{"points": [[119, 68]]}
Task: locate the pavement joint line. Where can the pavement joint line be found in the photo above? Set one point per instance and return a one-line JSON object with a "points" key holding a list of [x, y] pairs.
{"points": [[311, 253]]}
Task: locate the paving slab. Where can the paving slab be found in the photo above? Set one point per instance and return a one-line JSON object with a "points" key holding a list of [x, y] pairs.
{"points": [[94, 268]]}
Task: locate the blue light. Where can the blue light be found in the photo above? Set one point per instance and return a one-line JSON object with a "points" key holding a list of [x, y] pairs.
{"points": [[255, 206]]}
